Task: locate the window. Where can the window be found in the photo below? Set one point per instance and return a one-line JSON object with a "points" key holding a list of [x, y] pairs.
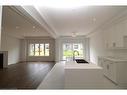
{"points": [[39, 49], [46, 49], [76, 46], [79, 48], [31, 49], [69, 48]]}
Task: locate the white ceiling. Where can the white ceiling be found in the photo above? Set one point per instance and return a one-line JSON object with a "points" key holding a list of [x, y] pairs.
{"points": [[61, 22], [16, 25], [82, 20]]}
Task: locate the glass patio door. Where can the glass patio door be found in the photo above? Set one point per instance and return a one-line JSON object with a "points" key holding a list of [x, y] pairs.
{"points": [[68, 51]]}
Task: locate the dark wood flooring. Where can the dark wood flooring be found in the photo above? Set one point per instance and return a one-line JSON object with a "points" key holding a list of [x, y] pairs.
{"points": [[24, 75]]}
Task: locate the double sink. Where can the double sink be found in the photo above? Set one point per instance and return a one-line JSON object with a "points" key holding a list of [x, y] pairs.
{"points": [[81, 61]]}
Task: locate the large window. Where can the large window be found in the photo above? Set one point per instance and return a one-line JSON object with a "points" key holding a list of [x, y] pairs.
{"points": [[69, 48], [39, 49]]}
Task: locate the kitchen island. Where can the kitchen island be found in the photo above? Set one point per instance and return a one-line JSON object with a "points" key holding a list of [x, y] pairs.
{"points": [[71, 75], [83, 76]]}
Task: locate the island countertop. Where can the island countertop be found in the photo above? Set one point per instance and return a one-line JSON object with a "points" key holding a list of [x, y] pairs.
{"points": [[82, 76], [74, 65]]}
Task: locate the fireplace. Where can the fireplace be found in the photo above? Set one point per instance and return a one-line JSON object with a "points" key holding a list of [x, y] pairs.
{"points": [[3, 59]]}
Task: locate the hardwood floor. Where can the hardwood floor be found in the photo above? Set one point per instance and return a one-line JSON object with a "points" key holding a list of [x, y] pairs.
{"points": [[26, 75]]}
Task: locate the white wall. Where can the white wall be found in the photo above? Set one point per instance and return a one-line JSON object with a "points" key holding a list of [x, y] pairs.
{"points": [[97, 46], [25, 44], [104, 38], [59, 42], [23, 50], [12, 45], [0, 23]]}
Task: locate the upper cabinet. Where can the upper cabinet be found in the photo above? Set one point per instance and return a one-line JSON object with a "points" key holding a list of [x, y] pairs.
{"points": [[117, 36]]}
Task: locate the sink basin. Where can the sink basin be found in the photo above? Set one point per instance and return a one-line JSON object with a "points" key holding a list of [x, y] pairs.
{"points": [[81, 61]]}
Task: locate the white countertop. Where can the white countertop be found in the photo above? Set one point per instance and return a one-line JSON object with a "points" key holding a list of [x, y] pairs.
{"points": [[74, 65], [116, 59]]}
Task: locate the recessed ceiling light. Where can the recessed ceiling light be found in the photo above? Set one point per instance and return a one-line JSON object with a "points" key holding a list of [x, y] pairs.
{"points": [[17, 27], [94, 19], [74, 34], [35, 31], [34, 27]]}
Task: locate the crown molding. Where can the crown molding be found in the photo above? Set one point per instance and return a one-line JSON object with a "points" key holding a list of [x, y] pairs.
{"points": [[114, 20], [39, 37]]}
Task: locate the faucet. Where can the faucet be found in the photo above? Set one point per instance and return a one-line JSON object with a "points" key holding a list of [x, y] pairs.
{"points": [[74, 54]]}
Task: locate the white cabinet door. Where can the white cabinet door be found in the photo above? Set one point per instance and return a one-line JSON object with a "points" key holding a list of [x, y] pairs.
{"points": [[115, 35], [100, 62], [105, 67], [115, 71], [112, 71], [109, 69]]}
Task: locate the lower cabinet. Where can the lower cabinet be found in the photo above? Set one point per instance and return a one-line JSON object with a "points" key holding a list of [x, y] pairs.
{"points": [[112, 71], [109, 69], [115, 70]]}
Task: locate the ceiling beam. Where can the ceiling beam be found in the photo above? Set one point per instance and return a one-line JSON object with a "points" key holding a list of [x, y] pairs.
{"points": [[36, 16], [44, 16]]}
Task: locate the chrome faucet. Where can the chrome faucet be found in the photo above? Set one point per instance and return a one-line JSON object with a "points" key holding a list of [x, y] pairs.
{"points": [[74, 54]]}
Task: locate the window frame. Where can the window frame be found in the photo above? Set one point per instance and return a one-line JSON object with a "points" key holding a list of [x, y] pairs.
{"points": [[80, 46], [44, 49]]}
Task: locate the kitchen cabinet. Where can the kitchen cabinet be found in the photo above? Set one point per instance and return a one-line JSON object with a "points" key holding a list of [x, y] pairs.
{"points": [[116, 36], [105, 68], [109, 69], [83, 76], [115, 70]]}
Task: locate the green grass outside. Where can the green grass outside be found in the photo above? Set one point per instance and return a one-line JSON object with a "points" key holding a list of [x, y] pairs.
{"points": [[69, 53]]}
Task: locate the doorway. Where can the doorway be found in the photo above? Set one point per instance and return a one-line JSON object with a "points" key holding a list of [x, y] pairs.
{"points": [[68, 51]]}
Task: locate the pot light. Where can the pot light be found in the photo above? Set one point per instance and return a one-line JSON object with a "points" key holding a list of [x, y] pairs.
{"points": [[17, 27], [74, 34], [94, 19], [34, 27]]}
